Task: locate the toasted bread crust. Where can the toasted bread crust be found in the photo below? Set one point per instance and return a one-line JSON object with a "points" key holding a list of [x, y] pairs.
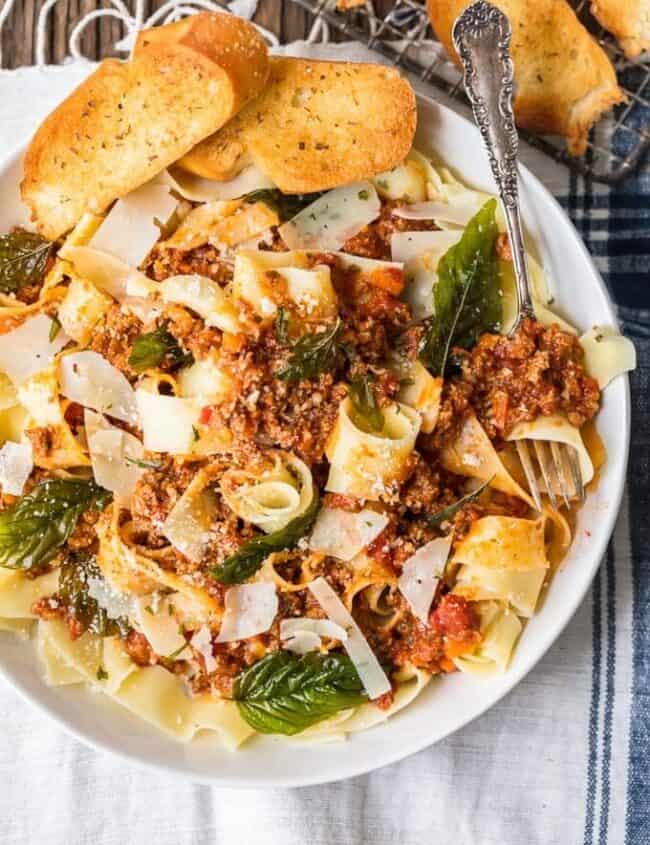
{"points": [[315, 126], [627, 20], [565, 81], [130, 120]]}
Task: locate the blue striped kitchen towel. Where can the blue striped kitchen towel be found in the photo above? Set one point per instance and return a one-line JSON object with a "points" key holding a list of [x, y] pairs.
{"points": [[563, 760]]}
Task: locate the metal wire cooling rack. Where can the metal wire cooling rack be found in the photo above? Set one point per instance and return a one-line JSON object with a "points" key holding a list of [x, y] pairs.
{"points": [[403, 35]]}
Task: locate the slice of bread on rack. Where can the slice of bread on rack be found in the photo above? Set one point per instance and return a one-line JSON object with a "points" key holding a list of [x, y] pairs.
{"points": [[316, 125], [564, 80], [628, 21], [129, 120]]}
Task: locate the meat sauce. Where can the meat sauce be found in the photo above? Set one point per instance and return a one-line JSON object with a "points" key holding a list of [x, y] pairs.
{"points": [[504, 380]]}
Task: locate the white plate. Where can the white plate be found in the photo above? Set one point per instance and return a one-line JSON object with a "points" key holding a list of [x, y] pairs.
{"points": [[450, 702]]}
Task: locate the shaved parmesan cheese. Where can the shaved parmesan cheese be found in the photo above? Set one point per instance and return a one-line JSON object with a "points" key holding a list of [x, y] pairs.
{"points": [[40, 396], [421, 251], [366, 265], [81, 309], [250, 610], [110, 448], [132, 226], [202, 642], [322, 627], [205, 297], [114, 602], [333, 218], [168, 422], [407, 182], [146, 310], [407, 245], [197, 189], [369, 669], [421, 575], [16, 465], [28, 349], [302, 642], [342, 534], [160, 626], [607, 354], [188, 525], [105, 271], [459, 212], [302, 634], [89, 379], [206, 380]]}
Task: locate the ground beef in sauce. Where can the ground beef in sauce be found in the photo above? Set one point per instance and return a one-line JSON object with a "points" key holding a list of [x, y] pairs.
{"points": [[373, 241], [156, 493], [164, 261], [538, 371], [114, 336], [453, 628], [138, 648], [503, 380]]}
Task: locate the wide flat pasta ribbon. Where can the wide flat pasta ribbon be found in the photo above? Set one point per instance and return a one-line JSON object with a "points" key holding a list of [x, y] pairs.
{"points": [[503, 558]]}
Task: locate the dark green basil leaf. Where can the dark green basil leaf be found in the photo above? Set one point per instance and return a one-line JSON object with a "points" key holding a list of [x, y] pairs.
{"points": [[286, 205], [285, 694], [156, 348], [364, 401], [313, 354], [75, 573], [467, 297], [23, 260], [444, 515], [36, 526], [249, 557]]}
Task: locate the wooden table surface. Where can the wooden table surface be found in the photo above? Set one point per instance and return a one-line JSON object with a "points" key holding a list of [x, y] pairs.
{"points": [[283, 17]]}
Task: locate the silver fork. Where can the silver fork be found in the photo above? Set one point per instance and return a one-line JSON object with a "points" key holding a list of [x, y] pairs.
{"points": [[482, 37]]}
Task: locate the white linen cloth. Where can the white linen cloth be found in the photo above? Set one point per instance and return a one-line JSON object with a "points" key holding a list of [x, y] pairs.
{"points": [[538, 768]]}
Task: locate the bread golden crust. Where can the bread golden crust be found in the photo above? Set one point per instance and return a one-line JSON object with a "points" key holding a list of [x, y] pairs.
{"points": [[130, 120], [627, 20], [315, 126], [564, 79]]}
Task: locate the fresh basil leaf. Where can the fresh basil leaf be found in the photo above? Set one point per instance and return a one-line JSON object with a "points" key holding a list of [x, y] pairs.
{"points": [[285, 694], [444, 515], [467, 297], [313, 354], [155, 348], [286, 205], [23, 259], [75, 575], [37, 525], [248, 558], [364, 401]]}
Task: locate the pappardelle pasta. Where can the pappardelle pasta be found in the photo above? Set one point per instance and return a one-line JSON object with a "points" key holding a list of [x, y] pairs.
{"points": [[259, 469]]}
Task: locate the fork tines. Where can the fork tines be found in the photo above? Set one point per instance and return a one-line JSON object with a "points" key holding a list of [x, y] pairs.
{"points": [[558, 465]]}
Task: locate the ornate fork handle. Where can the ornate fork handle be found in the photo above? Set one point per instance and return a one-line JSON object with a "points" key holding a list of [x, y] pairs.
{"points": [[482, 38]]}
